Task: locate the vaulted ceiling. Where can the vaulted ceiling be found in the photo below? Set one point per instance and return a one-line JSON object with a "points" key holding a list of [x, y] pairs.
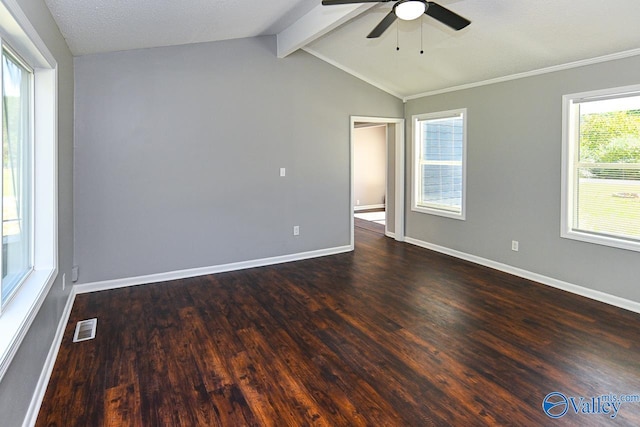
{"points": [[506, 37]]}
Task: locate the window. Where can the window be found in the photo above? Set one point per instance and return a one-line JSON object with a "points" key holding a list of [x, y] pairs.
{"points": [[439, 152], [29, 251], [601, 167], [16, 178]]}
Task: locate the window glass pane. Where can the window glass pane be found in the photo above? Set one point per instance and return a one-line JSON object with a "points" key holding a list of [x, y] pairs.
{"points": [[442, 139], [607, 170], [16, 174], [440, 158], [442, 185]]}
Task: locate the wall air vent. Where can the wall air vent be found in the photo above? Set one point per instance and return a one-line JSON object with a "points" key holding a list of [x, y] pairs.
{"points": [[85, 330]]}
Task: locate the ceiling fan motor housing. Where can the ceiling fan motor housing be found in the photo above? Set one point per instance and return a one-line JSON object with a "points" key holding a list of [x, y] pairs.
{"points": [[408, 10]]}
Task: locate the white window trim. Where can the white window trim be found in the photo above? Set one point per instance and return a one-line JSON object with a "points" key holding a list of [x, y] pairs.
{"points": [[18, 315], [568, 179], [415, 188], [15, 57]]}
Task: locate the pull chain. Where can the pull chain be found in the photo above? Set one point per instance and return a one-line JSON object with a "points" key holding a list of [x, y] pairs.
{"points": [[421, 38], [397, 37]]}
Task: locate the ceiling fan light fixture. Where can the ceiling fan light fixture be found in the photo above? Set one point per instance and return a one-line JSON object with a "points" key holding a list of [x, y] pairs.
{"points": [[408, 10]]}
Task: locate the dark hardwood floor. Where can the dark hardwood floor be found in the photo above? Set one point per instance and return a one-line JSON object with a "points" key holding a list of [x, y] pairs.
{"points": [[389, 335], [368, 225]]}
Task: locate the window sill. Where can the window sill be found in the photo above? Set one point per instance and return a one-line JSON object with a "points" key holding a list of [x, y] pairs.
{"points": [[602, 240], [439, 212], [20, 312]]}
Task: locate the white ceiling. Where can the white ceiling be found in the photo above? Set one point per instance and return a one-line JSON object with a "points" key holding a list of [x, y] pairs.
{"points": [[505, 37], [94, 26]]}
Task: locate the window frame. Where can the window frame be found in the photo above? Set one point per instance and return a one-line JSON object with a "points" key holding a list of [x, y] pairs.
{"points": [[416, 161], [19, 313], [15, 56], [570, 140]]}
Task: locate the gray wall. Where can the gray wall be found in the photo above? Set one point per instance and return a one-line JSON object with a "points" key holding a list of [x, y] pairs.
{"points": [[18, 384], [178, 152], [513, 182]]}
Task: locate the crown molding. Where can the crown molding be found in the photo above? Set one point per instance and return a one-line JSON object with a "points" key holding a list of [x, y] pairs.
{"points": [[546, 70]]}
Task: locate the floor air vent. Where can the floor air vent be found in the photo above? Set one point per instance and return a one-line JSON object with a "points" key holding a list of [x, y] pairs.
{"points": [[85, 330]]}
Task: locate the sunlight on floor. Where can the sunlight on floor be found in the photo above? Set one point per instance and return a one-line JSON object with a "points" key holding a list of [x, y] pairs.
{"points": [[377, 217]]}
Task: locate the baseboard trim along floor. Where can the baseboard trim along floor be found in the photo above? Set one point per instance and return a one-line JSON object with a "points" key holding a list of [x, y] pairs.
{"points": [[202, 271], [525, 274]]}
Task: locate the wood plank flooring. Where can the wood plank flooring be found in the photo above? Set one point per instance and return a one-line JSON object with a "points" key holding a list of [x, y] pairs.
{"points": [[389, 335], [368, 225]]}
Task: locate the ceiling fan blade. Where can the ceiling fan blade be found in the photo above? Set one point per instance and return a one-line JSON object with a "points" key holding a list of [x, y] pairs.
{"points": [[446, 16], [334, 2], [383, 25]]}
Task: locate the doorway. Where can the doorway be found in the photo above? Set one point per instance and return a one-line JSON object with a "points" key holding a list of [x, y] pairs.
{"points": [[370, 175], [377, 175]]}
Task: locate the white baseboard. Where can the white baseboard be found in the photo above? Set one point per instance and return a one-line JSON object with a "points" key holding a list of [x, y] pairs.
{"points": [[365, 207], [202, 271], [43, 381], [41, 387], [545, 280]]}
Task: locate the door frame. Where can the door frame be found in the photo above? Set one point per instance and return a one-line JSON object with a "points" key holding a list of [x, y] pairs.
{"points": [[398, 167]]}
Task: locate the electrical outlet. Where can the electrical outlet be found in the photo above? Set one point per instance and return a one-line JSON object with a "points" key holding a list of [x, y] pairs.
{"points": [[64, 280], [515, 245], [296, 230], [283, 172], [357, 202], [75, 271]]}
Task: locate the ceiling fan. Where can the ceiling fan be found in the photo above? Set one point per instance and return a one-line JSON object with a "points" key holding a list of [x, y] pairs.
{"points": [[408, 10]]}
